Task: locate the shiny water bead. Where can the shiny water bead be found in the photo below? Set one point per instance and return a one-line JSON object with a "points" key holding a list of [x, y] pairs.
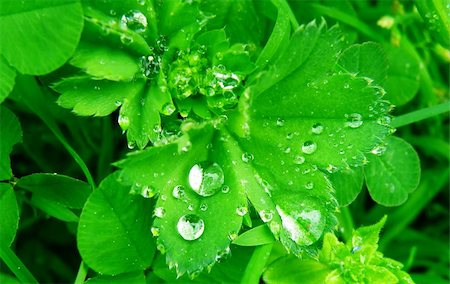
{"points": [[353, 120], [190, 227], [135, 21], [317, 128], [206, 178], [309, 147]]}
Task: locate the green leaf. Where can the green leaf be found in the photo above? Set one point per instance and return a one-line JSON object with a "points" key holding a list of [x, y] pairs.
{"points": [[126, 278], [293, 270], [257, 236], [54, 209], [165, 170], [103, 62], [11, 134], [10, 214], [45, 39], [347, 184], [59, 189], [94, 97], [306, 118], [114, 230], [391, 176], [402, 82], [8, 76], [365, 60], [436, 17]]}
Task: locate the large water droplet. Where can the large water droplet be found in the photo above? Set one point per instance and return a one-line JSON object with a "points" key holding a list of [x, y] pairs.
{"points": [[124, 122], [206, 178], [317, 128], [309, 147], [354, 120], [134, 20], [190, 227]]}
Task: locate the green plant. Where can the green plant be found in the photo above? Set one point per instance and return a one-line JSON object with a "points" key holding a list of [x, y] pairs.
{"points": [[250, 130]]}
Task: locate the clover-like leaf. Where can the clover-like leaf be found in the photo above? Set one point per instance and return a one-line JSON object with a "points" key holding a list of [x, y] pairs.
{"points": [[192, 184], [10, 214], [8, 75], [393, 174], [11, 134], [45, 39], [114, 231]]}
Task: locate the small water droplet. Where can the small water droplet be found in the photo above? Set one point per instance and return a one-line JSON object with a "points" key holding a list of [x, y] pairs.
{"points": [[247, 157], [155, 231], [289, 136], [346, 86], [331, 168], [204, 207], [191, 207], [225, 189], [124, 122], [317, 128], [298, 160], [309, 147], [190, 227], [379, 150], [134, 20], [287, 150], [223, 255], [126, 39], [168, 109], [280, 122], [178, 192], [206, 178], [309, 185], [241, 210], [159, 212], [266, 215], [354, 120]]}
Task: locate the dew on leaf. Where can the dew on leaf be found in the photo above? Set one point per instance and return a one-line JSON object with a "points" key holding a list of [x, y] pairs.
{"points": [[266, 215], [204, 207], [159, 212], [309, 185], [155, 231], [190, 227], [379, 150], [168, 109], [148, 191], [287, 150], [225, 189], [241, 210], [126, 39], [331, 168], [124, 122], [191, 207], [280, 122], [223, 255], [135, 21], [317, 128], [353, 120], [247, 157], [299, 159], [309, 147], [206, 178], [178, 192]]}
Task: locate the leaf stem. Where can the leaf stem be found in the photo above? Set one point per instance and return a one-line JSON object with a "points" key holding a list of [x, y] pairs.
{"points": [[256, 264], [420, 114], [16, 265], [82, 272]]}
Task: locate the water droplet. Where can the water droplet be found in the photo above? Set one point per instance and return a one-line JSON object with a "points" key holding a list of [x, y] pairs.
{"points": [[124, 122], [379, 150], [168, 109], [299, 160], [317, 128], [206, 178], [148, 191], [178, 192], [247, 157], [355, 249], [190, 227], [331, 168], [204, 207], [309, 185], [155, 231], [354, 120], [131, 145], [191, 207], [223, 255], [232, 236], [225, 189], [280, 122], [141, 2], [241, 210], [266, 215], [346, 86], [289, 136], [287, 150], [134, 20], [309, 147], [126, 39], [159, 212]]}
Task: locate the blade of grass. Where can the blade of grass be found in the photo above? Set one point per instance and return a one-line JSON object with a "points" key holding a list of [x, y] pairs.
{"points": [[16, 265], [32, 96], [256, 264], [420, 114]]}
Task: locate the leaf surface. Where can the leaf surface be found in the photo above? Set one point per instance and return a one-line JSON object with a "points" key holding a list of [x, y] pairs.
{"points": [[11, 134], [114, 230], [37, 38], [393, 175], [10, 214], [8, 75], [347, 184]]}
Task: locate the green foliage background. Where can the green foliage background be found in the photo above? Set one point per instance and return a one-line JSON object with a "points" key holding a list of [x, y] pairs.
{"points": [[329, 121]]}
